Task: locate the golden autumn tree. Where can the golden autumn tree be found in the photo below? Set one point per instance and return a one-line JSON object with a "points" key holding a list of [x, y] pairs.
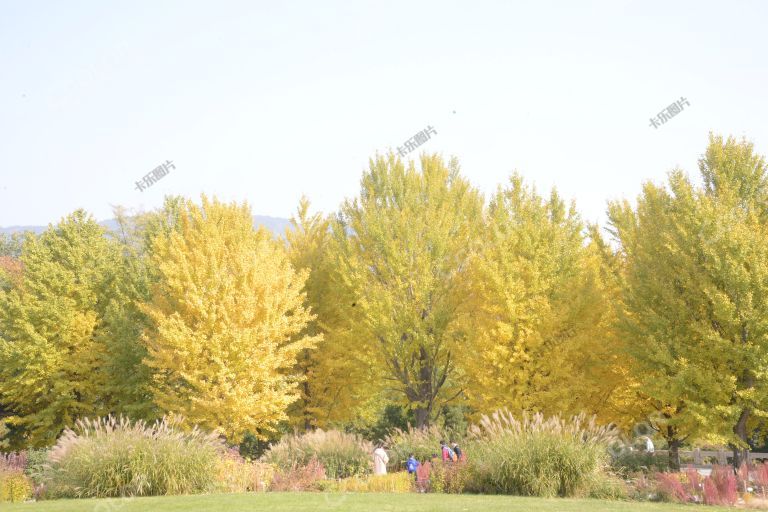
{"points": [[402, 249], [336, 372], [226, 310], [542, 335]]}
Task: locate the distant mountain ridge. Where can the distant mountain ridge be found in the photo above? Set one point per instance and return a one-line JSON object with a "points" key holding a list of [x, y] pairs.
{"points": [[276, 225]]}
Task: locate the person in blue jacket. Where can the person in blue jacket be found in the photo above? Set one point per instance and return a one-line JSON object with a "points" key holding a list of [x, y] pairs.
{"points": [[411, 465]]}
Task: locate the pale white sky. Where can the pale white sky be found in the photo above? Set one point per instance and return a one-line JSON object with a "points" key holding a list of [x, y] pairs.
{"points": [[264, 102]]}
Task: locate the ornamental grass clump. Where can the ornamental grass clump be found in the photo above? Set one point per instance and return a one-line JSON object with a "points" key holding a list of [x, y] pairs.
{"points": [[341, 454], [537, 456], [113, 457]]}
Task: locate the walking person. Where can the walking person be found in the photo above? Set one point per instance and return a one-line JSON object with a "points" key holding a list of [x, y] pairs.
{"points": [[380, 460], [448, 454], [412, 465], [457, 451]]}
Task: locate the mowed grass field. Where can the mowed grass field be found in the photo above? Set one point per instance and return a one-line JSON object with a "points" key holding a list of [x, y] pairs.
{"points": [[301, 502]]}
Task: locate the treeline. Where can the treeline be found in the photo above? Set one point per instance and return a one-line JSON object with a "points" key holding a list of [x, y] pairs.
{"points": [[418, 301]]}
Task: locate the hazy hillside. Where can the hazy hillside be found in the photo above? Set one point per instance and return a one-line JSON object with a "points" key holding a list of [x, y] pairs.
{"points": [[275, 224]]}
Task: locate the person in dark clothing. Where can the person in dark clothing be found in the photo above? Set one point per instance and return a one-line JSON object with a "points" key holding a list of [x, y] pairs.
{"points": [[457, 450]]}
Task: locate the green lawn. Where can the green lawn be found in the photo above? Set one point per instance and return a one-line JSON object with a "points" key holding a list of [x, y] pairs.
{"points": [[290, 502]]}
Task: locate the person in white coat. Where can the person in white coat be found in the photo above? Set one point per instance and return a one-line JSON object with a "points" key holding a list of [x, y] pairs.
{"points": [[380, 460]]}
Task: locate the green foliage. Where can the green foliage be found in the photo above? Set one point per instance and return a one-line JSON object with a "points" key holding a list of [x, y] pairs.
{"points": [[37, 460], [15, 486], [4, 444], [341, 454], [54, 327], [423, 443], [253, 446], [534, 456], [402, 248], [602, 486], [111, 457], [11, 244], [695, 294], [449, 477], [628, 463], [393, 416]]}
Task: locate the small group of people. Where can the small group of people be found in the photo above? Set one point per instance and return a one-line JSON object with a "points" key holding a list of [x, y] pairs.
{"points": [[449, 453]]}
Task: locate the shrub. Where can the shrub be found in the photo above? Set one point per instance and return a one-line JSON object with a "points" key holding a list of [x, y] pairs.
{"points": [[391, 482], [601, 486], [36, 462], [116, 457], [720, 488], [671, 488], [239, 475], [448, 477], [628, 463], [422, 443], [535, 456], [14, 486], [341, 454], [306, 477], [726, 485]]}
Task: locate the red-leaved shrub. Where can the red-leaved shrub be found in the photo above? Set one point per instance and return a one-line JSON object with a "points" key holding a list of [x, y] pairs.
{"points": [[760, 477], [670, 485], [299, 478], [711, 495], [725, 482]]}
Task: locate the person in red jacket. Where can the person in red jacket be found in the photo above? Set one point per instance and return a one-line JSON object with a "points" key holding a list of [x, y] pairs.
{"points": [[448, 454]]}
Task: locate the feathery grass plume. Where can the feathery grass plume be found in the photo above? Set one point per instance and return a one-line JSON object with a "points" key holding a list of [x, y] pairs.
{"points": [[341, 454], [537, 456], [110, 457]]}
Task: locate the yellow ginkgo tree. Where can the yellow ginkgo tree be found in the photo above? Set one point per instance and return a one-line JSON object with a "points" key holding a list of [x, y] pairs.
{"points": [[226, 311]]}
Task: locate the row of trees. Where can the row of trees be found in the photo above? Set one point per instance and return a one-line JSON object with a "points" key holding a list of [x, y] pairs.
{"points": [[416, 293]]}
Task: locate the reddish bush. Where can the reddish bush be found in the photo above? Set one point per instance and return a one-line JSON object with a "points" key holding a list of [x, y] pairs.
{"points": [[299, 478], [760, 477], [711, 494], [725, 482], [694, 479], [422, 476], [670, 484], [13, 461]]}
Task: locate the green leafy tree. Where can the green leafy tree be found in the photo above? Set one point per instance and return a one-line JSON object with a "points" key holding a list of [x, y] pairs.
{"points": [[50, 345], [402, 251], [695, 296]]}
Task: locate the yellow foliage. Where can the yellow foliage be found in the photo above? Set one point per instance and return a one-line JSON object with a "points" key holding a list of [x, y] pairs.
{"points": [[227, 309], [392, 482]]}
